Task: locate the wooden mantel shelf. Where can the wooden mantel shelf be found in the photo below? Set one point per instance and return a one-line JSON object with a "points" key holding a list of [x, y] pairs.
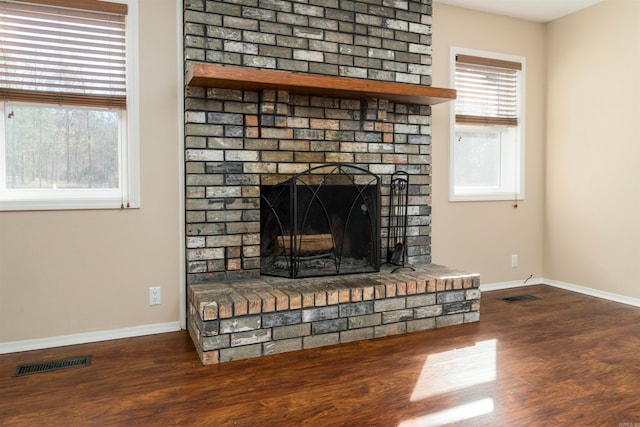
{"points": [[230, 77]]}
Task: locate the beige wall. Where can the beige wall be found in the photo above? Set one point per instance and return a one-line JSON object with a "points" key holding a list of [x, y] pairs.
{"points": [[70, 272], [481, 236], [592, 219]]}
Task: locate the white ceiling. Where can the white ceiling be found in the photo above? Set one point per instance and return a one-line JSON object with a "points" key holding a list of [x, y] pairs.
{"points": [[531, 10]]}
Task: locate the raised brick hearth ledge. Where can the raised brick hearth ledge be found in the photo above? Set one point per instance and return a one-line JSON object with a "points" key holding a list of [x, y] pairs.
{"points": [[253, 318]]}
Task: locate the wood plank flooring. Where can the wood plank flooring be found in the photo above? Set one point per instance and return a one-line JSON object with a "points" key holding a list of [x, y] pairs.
{"points": [[563, 360]]}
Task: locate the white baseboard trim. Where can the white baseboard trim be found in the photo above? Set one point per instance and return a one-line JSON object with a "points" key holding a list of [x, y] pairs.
{"points": [[562, 285], [508, 285], [594, 292], [113, 334]]}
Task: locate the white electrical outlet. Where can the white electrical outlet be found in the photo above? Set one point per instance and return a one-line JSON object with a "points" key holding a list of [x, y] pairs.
{"points": [[155, 295], [514, 261]]}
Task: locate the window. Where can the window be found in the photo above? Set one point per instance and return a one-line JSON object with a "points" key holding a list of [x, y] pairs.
{"points": [[487, 142], [68, 98]]}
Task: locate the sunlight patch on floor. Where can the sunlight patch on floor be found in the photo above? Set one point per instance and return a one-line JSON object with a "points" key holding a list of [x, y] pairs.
{"points": [[452, 415], [456, 370]]}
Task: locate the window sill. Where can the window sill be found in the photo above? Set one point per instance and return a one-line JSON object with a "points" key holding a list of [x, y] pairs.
{"points": [[486, 197], [64, 204]]}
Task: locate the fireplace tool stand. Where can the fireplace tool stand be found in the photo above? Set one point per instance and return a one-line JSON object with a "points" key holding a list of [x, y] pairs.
{"points": [[397, 235]]}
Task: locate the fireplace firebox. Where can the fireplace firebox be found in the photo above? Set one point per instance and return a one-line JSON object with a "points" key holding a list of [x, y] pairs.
{"points": [[322, 222]]}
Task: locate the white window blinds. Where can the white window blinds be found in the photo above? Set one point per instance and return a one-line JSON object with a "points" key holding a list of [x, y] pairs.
{"points": [[487, 91], [65, 52]]}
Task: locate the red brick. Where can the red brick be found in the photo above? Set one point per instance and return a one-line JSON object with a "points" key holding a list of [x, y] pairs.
{"points": [[210, 311], [320, 298], [401, 288], [390, 289], [343, 295], [240, 304], [251, 120], [356, 294], [368, 293], [253, 300], [333, 297], [268, 300], [282, 299], [210, 357]]}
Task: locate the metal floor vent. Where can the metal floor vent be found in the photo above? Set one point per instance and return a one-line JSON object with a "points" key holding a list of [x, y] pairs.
{"points": [[52, 365], [520, 298]]}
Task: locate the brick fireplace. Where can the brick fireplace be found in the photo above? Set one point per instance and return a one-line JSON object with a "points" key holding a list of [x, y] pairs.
{"points": [[239, 140]]}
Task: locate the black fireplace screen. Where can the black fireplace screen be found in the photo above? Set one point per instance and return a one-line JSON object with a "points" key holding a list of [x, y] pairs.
{"points": [[322, 222]]}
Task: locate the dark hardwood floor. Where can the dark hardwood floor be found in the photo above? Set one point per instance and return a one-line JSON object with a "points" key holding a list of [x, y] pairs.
{"points": [[563, 360]]}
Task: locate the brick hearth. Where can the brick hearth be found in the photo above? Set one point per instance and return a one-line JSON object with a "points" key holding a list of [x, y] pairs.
{"points": [[253, 318]]}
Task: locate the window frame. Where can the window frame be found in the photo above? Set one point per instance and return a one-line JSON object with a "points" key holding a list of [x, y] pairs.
{"points": [[487, 193], [128, 195]]}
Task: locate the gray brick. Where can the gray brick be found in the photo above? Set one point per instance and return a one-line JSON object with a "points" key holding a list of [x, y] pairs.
{"points": [[397, 316], [202, 18], [308, 55], [357, 334], [292, 19], [276, 347], [447, 297], [240, 324], [292, 65], [325, 24], [222, 8], [374, 319], [320, 313], [421, 324], [428, 311], [250, 337], [389, 304], [327, 69], [224, 33], [215, 342], [356, 309], [259, 14], [303, 9], [203, 130], [341, 15], [291, 331], [240, 23], [281, 318], [215, 56], [354, 72], [390, 329], [419, 300], [314, 341], [283, 6], [308, 33], [239, 353], [456, 307], [259, 61], [273, 28], [471, 317], [278, 52], [195, 29], [209, 328], [326, 326], [241, 47], [204, 229], [308, 134], [472, 294]]}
